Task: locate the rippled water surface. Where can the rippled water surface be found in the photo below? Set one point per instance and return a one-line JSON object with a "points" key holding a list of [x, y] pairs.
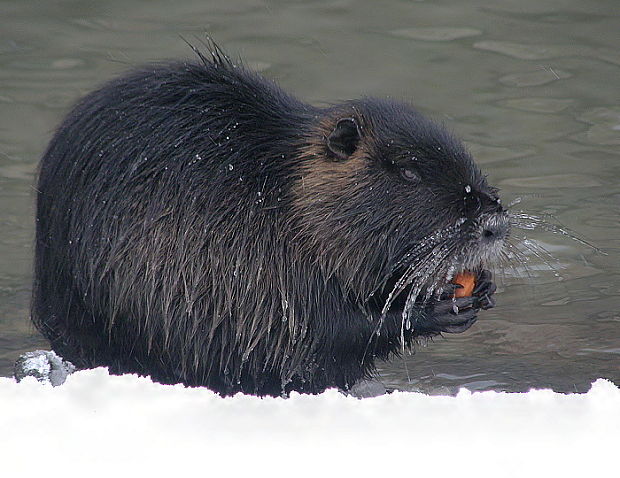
{"points": [[532, 87]]}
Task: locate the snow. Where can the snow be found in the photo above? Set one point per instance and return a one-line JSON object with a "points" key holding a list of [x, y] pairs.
{"points": [[101, 425], [39, 363], [45, 366]]}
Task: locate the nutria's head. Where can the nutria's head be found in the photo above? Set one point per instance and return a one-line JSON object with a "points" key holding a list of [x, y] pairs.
{"points": [[385, 194]]}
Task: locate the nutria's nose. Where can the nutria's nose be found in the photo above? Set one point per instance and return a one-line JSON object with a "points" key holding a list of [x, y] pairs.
{"points": [[495, 228]]}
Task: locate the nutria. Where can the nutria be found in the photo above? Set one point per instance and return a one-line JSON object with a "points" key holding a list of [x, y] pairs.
{"points": [[198, 224]]}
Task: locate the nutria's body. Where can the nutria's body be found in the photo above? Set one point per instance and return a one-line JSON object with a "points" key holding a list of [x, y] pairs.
{"points": [[197, 224]]}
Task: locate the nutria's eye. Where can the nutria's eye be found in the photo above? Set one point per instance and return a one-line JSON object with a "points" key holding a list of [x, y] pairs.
{"points": [[409, 174]]}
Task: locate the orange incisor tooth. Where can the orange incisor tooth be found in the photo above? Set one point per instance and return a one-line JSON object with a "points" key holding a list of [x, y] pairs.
{"points": [[467, 280]]}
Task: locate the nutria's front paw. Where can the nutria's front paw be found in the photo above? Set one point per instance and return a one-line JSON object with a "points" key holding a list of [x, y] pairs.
{"points": [[484, 290], [449, 315], [455, 315]]}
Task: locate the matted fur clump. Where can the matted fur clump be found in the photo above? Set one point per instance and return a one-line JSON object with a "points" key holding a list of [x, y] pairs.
{"points": [[197, 224]]}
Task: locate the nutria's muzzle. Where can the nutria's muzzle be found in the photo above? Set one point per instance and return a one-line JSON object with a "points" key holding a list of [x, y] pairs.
{"points": [[494, 228]]}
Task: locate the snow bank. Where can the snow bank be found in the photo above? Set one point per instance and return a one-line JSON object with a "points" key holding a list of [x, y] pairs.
{"points": [[102, 425]]}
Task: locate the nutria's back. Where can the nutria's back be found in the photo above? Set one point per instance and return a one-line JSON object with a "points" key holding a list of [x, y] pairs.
{"points": [[197, 224]]}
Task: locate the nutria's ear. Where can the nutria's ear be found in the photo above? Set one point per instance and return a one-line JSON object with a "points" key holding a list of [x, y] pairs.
{"points": [[342, 142]]}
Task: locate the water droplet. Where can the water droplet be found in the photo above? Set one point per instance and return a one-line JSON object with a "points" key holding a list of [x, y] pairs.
{"points": [[230, 167], [467, 188]]}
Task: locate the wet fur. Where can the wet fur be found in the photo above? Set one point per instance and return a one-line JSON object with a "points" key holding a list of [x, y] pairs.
{"points": [[193, 226]]}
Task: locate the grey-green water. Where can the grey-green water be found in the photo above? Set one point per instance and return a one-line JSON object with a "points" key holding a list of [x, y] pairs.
{"points": [[533, 87]]}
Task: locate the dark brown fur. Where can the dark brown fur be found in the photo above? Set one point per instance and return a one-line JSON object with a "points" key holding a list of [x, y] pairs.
{"points": [[197, 224]]}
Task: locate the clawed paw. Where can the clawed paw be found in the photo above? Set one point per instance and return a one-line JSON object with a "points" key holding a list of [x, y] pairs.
{"points": [[455, 315]]}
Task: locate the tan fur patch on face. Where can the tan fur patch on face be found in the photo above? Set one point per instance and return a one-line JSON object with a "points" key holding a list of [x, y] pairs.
{"points": [[324, 193]]}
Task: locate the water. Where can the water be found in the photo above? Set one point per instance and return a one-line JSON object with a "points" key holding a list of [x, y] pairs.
{"points": [[531, 86]]}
